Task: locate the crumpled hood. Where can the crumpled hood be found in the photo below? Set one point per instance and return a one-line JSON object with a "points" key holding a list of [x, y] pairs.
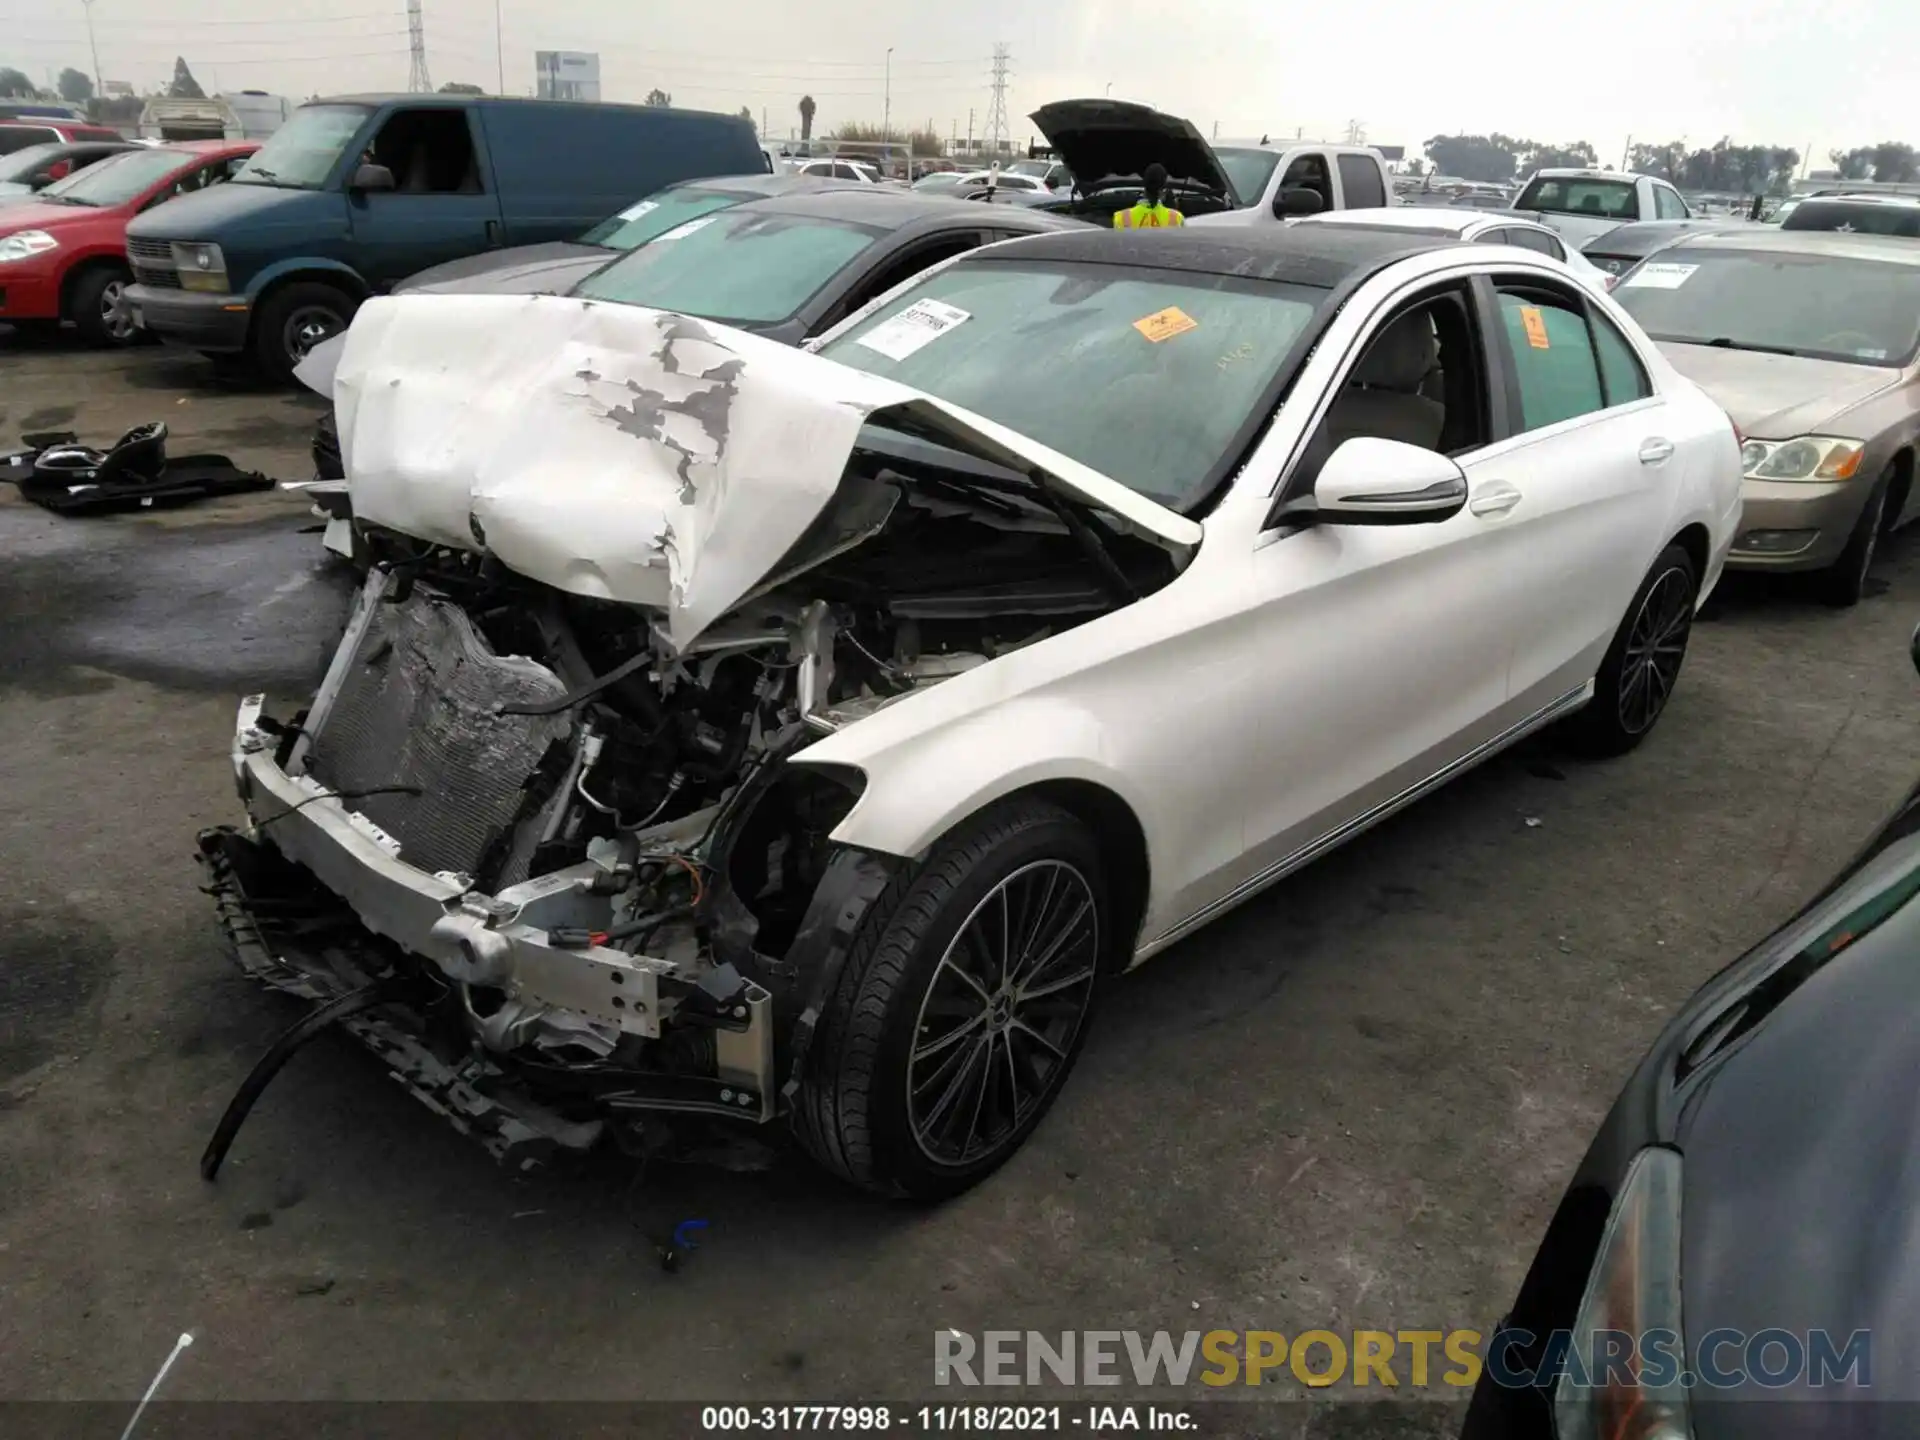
{"points": [[1776, 397], [629, 454]]}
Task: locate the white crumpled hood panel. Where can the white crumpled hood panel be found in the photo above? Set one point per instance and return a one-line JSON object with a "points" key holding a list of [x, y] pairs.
{"points": [[623, 453], [602, 449]]}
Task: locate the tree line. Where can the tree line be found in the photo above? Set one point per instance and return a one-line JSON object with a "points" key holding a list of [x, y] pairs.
{"points": [[1723, 166]]}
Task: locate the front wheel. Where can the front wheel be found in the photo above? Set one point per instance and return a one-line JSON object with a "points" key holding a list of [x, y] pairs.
{"points": [[295, 319], [97, 306], [1842, 583], [961, 1008], [1637, 676]]}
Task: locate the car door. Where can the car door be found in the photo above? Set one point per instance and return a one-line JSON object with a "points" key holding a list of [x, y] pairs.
{"points": [[1584, 478], [1378, 656], [443, 204]]}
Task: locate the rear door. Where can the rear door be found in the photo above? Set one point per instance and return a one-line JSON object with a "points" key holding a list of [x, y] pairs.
{"points": [[1584, 478]]}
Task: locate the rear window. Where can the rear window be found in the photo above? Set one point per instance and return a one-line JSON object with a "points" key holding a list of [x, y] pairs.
{"points": [[1602, 199], [743, 266], [1869, 219]]}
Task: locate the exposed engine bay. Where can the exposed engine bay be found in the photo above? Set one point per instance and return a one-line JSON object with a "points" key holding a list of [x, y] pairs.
{"points": [[572, 858]]}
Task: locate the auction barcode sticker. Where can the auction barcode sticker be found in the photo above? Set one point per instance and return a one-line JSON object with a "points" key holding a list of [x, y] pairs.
{"points": [[1660, 277], [920, 324], [639, 208]]}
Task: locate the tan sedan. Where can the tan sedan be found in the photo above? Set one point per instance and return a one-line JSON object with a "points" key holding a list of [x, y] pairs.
{"points": [[1808, 340]]}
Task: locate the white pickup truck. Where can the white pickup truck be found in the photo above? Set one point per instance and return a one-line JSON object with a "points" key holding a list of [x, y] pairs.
{"points": [[1108, 143], [1585, 204]]}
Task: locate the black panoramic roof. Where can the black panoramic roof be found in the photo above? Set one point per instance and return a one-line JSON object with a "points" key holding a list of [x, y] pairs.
{"points": [[1320, 255]]}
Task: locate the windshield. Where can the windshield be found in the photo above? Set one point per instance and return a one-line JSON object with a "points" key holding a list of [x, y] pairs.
{"points": [[662, 211], [1146, 376], [302, 153], [116, 180], [1827, 306], [1604, 199], [1249, 170], [744, 266]]}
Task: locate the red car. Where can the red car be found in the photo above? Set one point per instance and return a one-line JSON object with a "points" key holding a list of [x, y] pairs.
{"points": [[24, 130], [63, 255]]}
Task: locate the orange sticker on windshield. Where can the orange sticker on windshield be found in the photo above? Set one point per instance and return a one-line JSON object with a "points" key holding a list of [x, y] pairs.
{"points": [[1536, 324], [1165, 324]]}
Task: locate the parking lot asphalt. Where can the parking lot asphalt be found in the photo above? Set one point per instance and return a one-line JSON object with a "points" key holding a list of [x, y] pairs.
{"points": [[1350, 1104]]}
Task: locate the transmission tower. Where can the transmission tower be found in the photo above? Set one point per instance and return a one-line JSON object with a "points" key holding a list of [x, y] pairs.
{"points": [[995, 134], [417, 81]]}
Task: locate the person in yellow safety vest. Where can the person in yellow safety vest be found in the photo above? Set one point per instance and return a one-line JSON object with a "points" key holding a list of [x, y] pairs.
{"points": [[1148, 213]]}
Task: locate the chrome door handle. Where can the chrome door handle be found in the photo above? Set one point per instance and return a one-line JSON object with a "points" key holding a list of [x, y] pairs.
{"points": [[1494, 498], [1656, 452]]}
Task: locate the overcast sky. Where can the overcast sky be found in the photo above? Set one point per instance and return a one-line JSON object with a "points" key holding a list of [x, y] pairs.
{"points": [[1758, 70]]}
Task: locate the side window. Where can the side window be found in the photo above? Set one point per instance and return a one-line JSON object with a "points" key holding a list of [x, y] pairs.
{"points": [[430, 152], [1667, 204], [1552, 356], [845, 172], [1309, 172], [1622, 373], [1360, 182], [1421, 379]]}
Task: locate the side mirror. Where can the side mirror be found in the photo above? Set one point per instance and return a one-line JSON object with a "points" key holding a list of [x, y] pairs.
{"points": [[372, 177], [1297, 200], [1380, 482]]}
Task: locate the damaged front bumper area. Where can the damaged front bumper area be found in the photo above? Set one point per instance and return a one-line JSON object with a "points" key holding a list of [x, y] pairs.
{"points": [[509, 1013]]}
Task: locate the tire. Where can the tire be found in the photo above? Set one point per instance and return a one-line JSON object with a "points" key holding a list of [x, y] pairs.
{"points": [[1842, 583], [883, 1115], [1642, 665], [96, 305], [293, 320]]}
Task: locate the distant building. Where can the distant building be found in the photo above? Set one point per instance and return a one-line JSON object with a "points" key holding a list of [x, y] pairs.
{"points": [[566, 74]]}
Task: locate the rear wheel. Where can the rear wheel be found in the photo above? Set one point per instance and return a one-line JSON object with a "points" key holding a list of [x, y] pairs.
{"points": [[1642, 665], [295, 319], [1845, 581], [962, 1007], [97, 306]]}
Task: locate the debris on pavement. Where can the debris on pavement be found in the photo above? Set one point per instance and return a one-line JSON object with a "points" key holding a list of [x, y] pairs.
{"points": [[59, 474]]}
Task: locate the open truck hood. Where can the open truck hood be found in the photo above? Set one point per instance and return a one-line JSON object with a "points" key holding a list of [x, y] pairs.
{"points": [[1099, 138], [630, 454]]}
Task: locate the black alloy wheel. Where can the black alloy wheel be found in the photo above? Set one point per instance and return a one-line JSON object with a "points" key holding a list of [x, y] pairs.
{"points": [[1656, 646], [997, 1025]]}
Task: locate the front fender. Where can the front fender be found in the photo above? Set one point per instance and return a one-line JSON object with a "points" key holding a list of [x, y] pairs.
{"points": [[314, 265], [920, 787]]}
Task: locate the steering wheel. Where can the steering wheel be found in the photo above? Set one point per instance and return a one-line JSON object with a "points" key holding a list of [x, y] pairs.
{"points": [[1845, 341]]}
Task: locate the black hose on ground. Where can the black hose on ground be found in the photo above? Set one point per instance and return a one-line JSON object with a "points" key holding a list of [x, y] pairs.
{"points": [[278, 1053]]}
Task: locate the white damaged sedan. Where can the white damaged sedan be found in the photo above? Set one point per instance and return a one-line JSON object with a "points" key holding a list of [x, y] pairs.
{"points": [[731, 731]]}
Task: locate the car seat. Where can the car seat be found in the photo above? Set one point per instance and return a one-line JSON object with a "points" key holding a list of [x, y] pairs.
{"points": [[139, 455], [1382, 398]]}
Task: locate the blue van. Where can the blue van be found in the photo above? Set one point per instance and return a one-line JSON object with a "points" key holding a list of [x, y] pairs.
{"points": [[352, 195]]}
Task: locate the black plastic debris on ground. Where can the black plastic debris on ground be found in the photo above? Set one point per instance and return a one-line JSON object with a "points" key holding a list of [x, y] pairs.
{"points": [[62, 475]]}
